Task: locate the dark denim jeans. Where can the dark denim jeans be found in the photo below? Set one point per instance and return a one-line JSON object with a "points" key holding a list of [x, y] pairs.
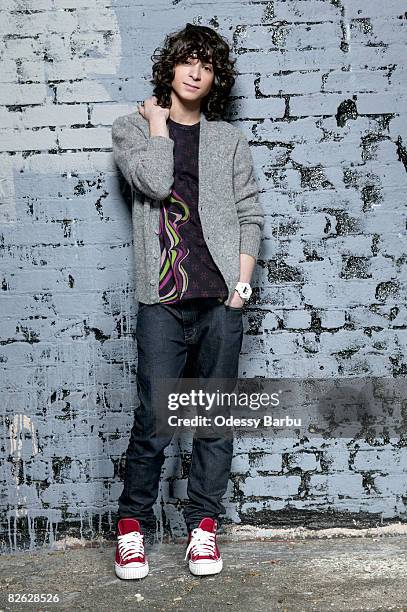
{"points": [[198, 338]]}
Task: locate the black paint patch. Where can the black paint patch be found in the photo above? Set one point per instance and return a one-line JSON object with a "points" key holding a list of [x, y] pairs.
{"points": [[312, 519], [402, 152], [286, 228], [255, 321], [355, 267], [371, 196], [399, 370], [310, 253], [29, 335], [268, 13], [313, 178], [346, 110], [345, 224], [278, 271], [60, 466], [388, 289], [99, 335]]}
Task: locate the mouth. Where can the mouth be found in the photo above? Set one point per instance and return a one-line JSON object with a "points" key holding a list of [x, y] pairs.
{"points": [[191, 86]]}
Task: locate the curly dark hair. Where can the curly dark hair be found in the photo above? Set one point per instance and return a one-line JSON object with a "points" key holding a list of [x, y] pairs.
{"points": [[207, 45]]}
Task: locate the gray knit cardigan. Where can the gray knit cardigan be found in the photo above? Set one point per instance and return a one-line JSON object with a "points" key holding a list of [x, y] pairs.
{"points": [[231, 216]]}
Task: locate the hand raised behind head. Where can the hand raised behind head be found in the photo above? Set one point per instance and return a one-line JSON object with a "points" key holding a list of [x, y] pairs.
{"points": [[151, 110]]}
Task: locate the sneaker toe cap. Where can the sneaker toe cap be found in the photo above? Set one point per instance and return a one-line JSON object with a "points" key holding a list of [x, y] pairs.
{"points": [[134, 564]]}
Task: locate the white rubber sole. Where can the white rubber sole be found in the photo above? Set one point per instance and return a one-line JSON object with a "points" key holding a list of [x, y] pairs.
{"points": [[205, 569], [131, 573]]}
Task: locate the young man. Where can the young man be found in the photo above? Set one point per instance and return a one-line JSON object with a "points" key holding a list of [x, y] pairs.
{"points": [[197, 227]]}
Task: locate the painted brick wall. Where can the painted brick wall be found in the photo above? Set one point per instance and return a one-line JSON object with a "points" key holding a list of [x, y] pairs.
{"points": [[322, 97]]}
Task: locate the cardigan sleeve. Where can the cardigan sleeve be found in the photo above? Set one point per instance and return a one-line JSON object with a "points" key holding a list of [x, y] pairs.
{"points": [[146, 163], [249, 209]]}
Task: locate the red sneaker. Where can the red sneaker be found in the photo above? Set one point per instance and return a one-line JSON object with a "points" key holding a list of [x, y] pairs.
{"points": [[202, 551], [130, 561]]}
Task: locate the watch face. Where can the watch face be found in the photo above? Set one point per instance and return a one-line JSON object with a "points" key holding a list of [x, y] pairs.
{"points": [[244, 291]]}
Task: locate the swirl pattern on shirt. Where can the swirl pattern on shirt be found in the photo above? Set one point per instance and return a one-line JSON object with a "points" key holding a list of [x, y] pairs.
{"points": [[173, 277], [187, 269]]}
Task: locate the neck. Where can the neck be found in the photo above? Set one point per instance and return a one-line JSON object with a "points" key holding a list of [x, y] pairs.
{"points": [[183, 112]]}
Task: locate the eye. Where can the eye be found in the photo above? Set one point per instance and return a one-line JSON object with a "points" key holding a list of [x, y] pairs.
{"points": [[188, 60]]}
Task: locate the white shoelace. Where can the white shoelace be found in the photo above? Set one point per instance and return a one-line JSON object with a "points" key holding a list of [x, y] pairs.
{"points": [[202, 543], [131, 545]]}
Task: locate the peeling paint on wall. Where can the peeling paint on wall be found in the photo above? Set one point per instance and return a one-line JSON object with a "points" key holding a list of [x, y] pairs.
{"points": [[321, 97]]}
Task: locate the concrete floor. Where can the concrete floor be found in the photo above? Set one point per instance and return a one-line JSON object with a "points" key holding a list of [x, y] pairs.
{"points": [[341, 573]]}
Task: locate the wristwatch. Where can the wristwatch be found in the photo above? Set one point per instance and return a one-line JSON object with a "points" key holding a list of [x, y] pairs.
{"points": [[244, 290]]}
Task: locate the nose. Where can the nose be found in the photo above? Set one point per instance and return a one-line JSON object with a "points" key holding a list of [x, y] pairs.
{"points": [[195, 71]]}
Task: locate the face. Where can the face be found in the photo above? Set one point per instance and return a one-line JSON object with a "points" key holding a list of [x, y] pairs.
{"points": [[193, 78]]}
